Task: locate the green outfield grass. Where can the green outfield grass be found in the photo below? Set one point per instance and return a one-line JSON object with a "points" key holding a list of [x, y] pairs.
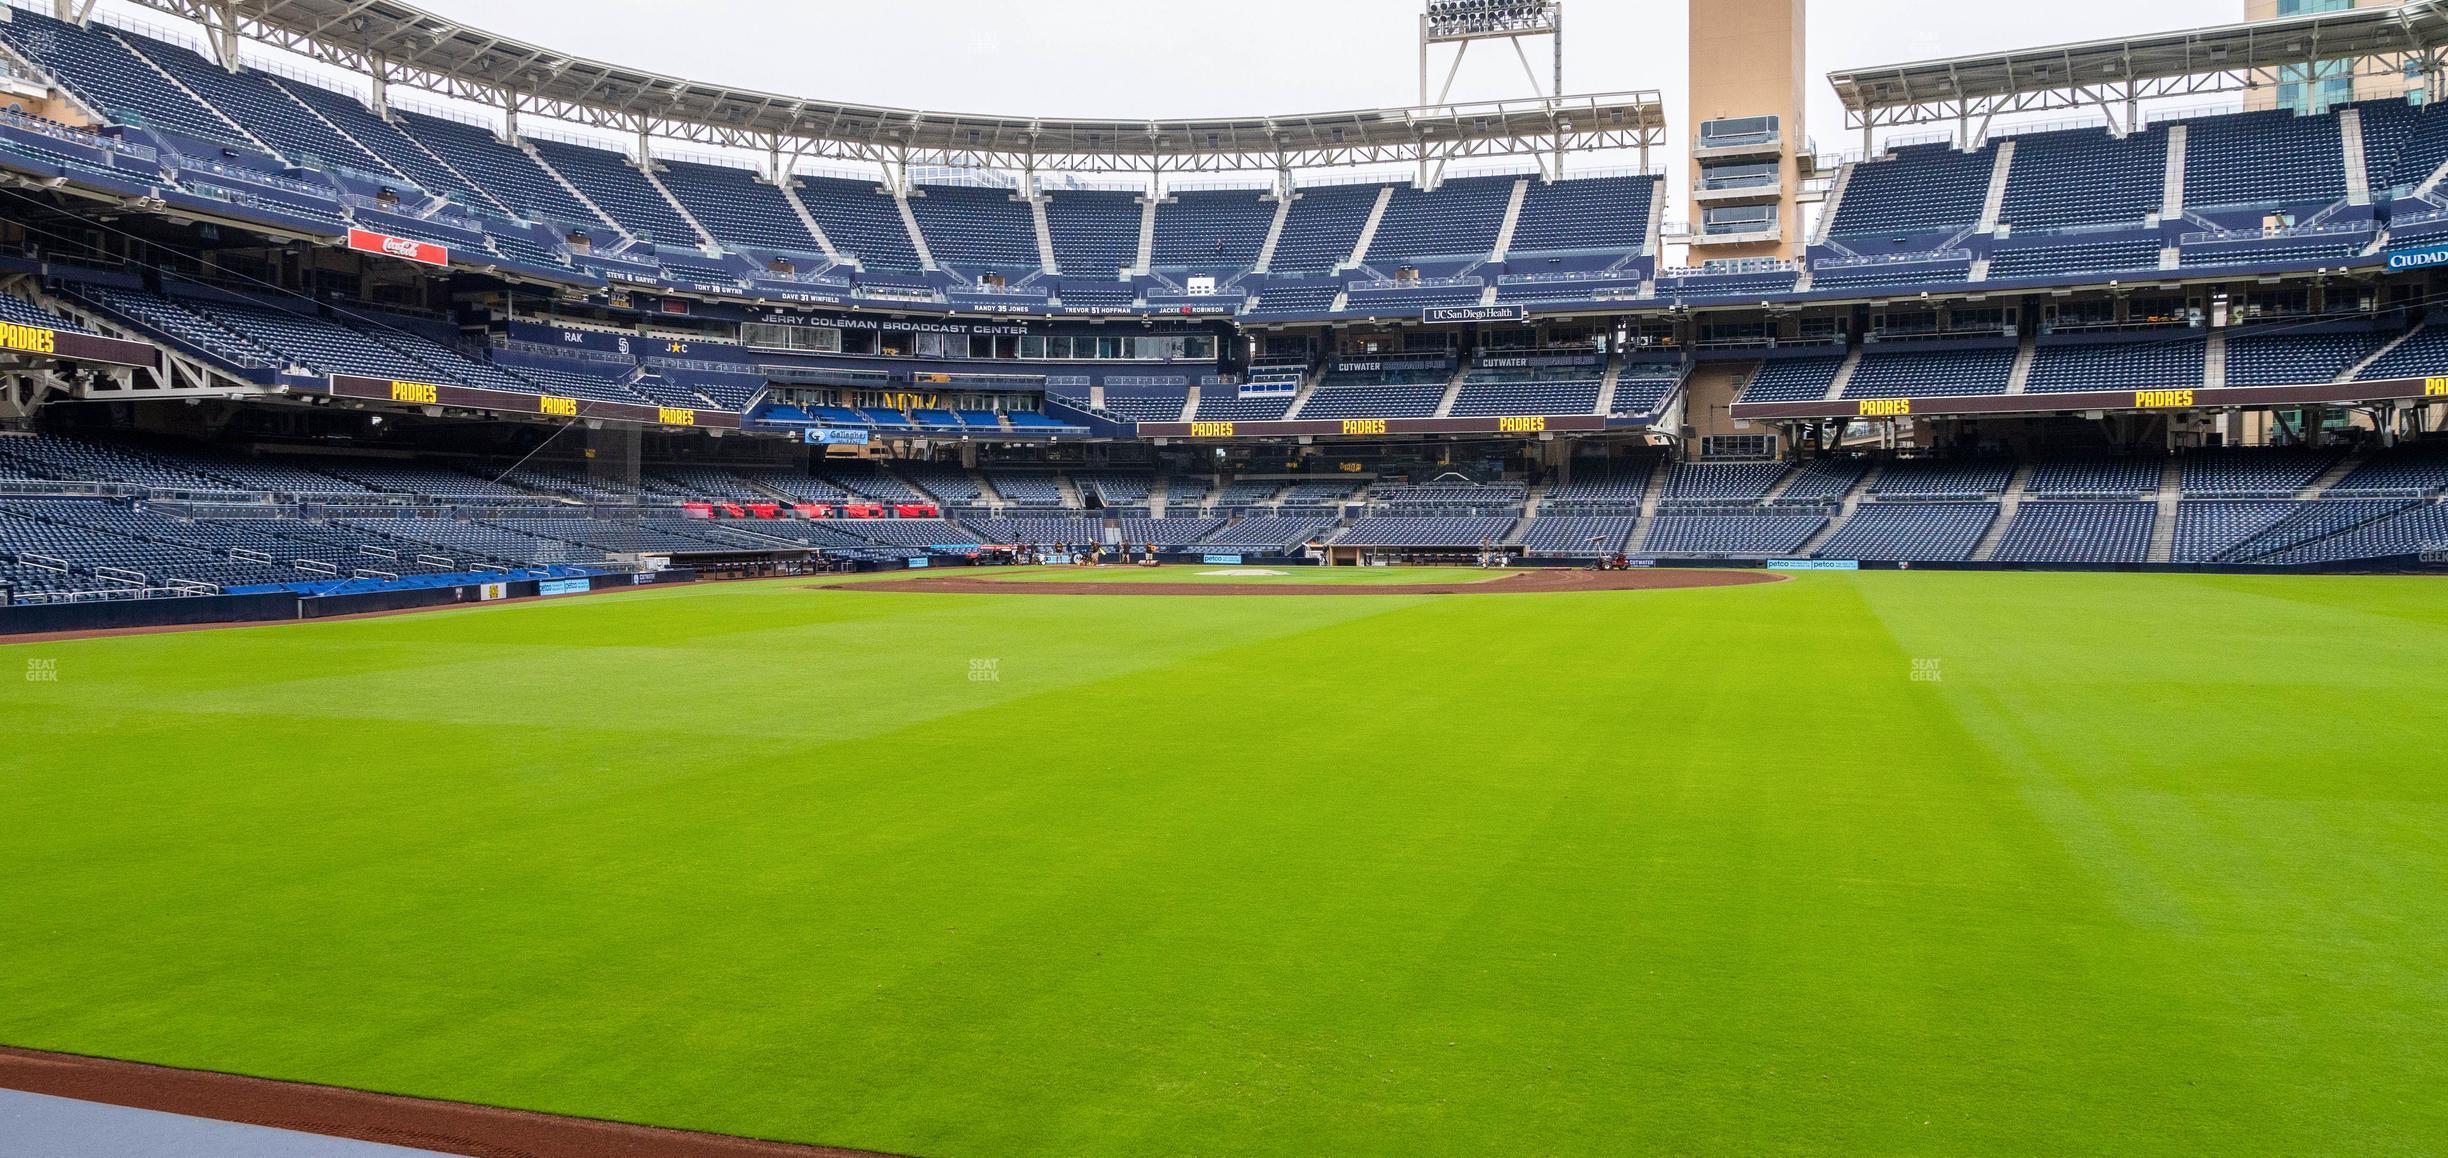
{"points": [[1293, 575], [2139, 864]]}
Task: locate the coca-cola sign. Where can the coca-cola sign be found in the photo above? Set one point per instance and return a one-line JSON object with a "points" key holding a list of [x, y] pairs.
{"points": [[368, 241]]}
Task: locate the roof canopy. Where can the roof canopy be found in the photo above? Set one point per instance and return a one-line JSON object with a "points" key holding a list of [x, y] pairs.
{"points": [[2226, 58], [405, 45]]}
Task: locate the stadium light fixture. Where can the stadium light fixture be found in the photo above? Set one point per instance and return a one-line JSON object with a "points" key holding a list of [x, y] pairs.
{"points": [[1447, 21], [1463, 22]]}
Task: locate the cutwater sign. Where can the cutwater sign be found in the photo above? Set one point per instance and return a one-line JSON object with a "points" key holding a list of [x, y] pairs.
{"points": [[2421, 257]]}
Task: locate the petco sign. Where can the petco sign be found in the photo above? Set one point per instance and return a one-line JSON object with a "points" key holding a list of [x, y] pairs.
{"points": [[368, 241]]}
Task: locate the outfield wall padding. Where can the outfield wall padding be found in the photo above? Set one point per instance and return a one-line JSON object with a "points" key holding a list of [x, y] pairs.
{"points": [[370, 602], [116, 615]]}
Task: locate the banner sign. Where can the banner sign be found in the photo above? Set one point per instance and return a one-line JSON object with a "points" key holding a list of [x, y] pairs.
{"points": [[564, 587], [838, 436], [28, 339], [515, 402], [43, 341], [1378, 427], [1813, 565], [2073, 402], [425, 252], [1221, 560], [2419, 257], [1435, 314]]}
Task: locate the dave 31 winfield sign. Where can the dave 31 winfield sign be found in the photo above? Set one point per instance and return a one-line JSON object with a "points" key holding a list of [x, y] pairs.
{"points": [[368, 241]]}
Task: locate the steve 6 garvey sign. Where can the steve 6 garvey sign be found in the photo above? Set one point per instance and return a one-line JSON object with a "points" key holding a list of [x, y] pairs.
{"points": [[368, 241]]}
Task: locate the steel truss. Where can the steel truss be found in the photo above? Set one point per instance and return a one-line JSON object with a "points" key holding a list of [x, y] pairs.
{"points": [[394, 44]]}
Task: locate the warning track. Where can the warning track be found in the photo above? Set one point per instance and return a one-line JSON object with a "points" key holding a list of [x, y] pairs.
{"points": [[420, 1123]]}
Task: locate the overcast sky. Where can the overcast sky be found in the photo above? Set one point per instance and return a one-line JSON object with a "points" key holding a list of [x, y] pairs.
{"points": [[1148, 58], [1137, 58]]}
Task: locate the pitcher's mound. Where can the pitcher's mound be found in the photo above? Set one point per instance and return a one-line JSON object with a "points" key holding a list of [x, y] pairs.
{"points": [[1516, 583]]}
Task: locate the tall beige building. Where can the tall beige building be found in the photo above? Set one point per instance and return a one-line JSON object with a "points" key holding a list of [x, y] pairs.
{"points": [[1745, 120]]}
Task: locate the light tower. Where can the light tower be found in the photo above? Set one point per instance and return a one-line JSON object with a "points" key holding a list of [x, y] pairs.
{"points": [[1462, 23]]}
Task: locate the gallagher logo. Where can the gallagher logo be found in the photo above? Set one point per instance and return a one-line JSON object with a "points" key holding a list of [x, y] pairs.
{"points": [[426, 252]]}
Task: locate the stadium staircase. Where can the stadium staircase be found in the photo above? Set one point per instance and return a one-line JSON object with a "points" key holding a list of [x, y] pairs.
{"points": [[2214, 361], [192, 94], [2431, 183], [1045, 234], [705, 236], [2020, 377], [1274, 237], [1827, 213], [1844, 375], [2336, 474], [345, 135], [1368, 234], [1190, 403], [1146, 254], [1994, 203], [1609, 381], [2171, 205], [2008, 507], [2350, 373], [1453, 389], [2305, 527], [2171, 497], [917, 236], [571, 188], [1308, 388], [790, 196], [2350, 138], [1654, 491], [1777, 489], [988, 496], [1845, 510], [1504, 234]]}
